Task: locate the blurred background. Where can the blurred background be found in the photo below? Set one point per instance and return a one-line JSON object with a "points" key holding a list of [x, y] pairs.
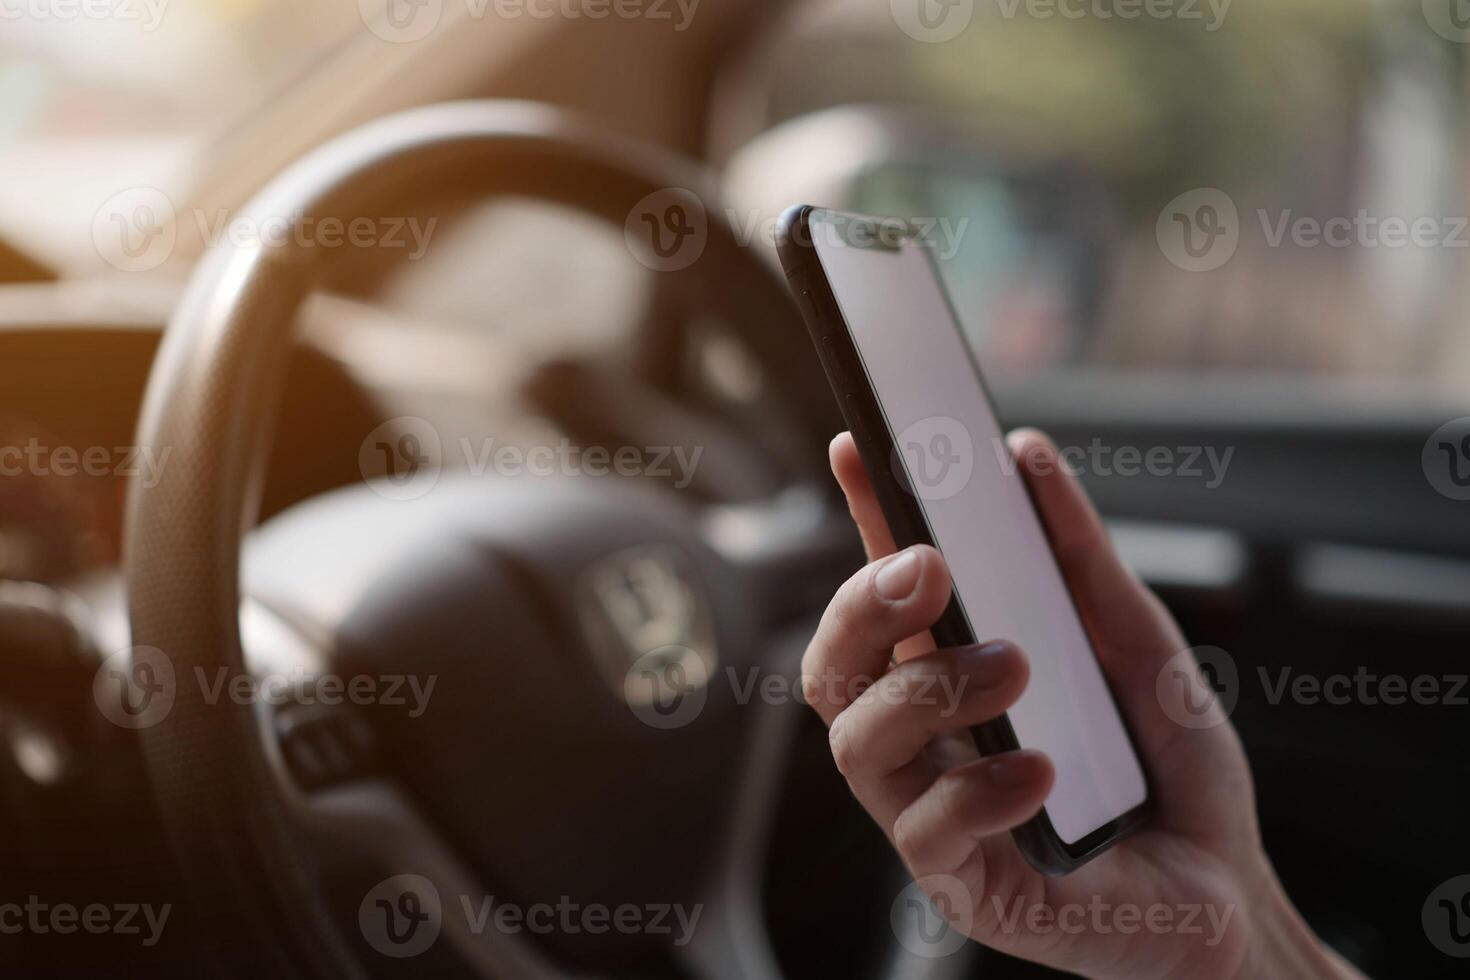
{"points": [[1130, 203], [1061, 137]]}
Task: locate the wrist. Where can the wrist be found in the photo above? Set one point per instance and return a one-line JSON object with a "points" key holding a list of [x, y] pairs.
{"points": [[1282, 944]]}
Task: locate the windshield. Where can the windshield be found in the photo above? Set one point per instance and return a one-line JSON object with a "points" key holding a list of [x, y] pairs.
{"points": [[1205, 187], [99, 97], [72, 69]]}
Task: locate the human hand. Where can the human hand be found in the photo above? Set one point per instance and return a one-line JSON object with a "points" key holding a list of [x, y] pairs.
{"points": [[1190, 894]]}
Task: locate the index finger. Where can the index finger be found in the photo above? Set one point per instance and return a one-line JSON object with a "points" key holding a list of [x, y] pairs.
{"points": [[885, 602], [862, 502], [872, 525]]}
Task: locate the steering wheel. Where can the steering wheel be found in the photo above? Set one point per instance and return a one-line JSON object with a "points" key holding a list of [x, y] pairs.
{"points": [[317, 839]]}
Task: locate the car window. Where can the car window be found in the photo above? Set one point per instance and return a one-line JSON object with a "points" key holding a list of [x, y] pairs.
{"points": [[148, 68], [1182, 185]]}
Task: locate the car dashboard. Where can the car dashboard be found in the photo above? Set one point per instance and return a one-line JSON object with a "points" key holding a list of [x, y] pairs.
{"points": [[67, 419]]}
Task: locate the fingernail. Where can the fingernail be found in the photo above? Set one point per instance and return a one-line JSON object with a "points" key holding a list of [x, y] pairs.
{"points": [[1014, 770], [898, 576]]}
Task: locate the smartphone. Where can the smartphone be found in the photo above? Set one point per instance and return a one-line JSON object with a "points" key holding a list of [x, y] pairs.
{"points": [[913, 396]]}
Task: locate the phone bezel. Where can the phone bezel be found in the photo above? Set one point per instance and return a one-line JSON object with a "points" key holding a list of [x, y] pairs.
{"points": [[1037, 839]]}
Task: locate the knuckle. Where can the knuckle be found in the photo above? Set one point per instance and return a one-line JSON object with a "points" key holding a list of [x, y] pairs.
{"points": [[838, 628], [903, 839], [855, 599], [953, 794], [858, 689], [896, 687], [943, 668], [811, 691], [839, 739], [918, 682], [810, 664]]}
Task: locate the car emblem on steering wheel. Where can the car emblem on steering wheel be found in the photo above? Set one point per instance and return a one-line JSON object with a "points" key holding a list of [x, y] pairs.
{"points": [[652, 630]]}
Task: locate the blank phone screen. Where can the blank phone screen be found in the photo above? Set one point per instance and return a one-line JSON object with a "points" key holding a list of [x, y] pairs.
{"points": [[950, 452]]}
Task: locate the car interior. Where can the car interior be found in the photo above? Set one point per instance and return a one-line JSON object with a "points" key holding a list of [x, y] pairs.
{"points": [[457, 438]]}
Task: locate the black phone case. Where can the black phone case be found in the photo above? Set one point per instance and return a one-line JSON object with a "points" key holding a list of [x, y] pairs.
{"points": [[1037, 838]]}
